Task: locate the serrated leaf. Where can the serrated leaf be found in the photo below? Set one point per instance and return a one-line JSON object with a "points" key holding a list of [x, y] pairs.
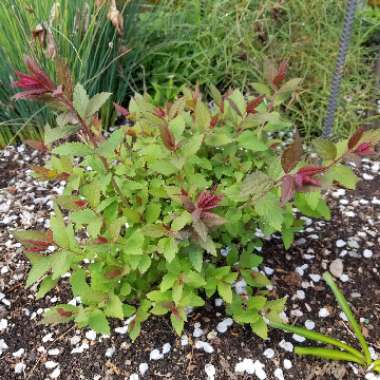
{"points": [[152, 212], [46, 285], [181, 221], [96, 102], [108, 147], [114, 307], [40, 265], [202, 116], [58, 227], [192, 146], [98, 322], [325, 148], [218, 138], [61, 263], [260, 328], [59, 314], [163, 167], [51, 135], [80, 100], [268, 207], [168, 247], [177, 323], [225, 291], [85, 216], [134, 244], [292, 155], [196, 259], [249, 140], [255, 184], [73, 149]]}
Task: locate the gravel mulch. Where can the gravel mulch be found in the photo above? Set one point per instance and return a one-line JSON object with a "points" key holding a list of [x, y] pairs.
{"points": [[213, 347]]}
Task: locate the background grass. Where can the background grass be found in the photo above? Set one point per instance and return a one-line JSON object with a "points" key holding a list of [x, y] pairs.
{"points": [[178, 42]]}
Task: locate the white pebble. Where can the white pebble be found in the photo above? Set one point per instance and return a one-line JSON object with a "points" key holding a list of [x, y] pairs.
{"points": [[47, 338], [343, 316], [91, 335], [279, 374], [55, 374], [310, 325], [367, 253], [53, 352], [210, 371], [268, 353], [184, 340], [298, 338], [340, 243], [134, 376], [155, 355], [198, 332], [246, 366], [166, 348], [20, 368], [323, 313], [3, 324], [110, 352], [287, 346], [18, 353], [287, 364], [143, 368], [344, 278], [368, 177], [50, 364], [206, 347], [315, 277]]}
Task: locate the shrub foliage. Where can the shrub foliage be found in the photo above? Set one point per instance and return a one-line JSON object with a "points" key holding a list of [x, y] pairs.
{"points": [[170, 209]]}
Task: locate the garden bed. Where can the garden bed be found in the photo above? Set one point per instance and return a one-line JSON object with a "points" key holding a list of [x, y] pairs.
{"points": [[32, 351]]}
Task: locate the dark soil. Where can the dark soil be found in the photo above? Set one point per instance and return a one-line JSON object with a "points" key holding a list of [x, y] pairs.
{"points": [[355, 222]]}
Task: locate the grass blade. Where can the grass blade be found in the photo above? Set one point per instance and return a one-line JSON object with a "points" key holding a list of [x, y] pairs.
{"points": [[350, 316], [317, 337], [325, 353]]}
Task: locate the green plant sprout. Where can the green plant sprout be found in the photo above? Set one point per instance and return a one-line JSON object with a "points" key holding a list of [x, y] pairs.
{"points": [[345, 352]]}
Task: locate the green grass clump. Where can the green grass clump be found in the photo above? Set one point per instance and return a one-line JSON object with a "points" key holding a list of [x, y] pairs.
{"points": [[226, 43]]}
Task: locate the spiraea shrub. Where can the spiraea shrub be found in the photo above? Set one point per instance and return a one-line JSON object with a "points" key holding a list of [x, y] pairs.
{"points": [[169, 209]]}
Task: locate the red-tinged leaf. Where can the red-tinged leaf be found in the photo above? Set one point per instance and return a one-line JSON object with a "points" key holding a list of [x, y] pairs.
{"points": [[101, 240], [114, 273], [199, 227], [207, 200], [160, 112], [365, 149], [81, 203], [305, 176], [64, 77], [292, 155], [36, 144], [186, 201], [121, 110], [214, 121], [281, 74], [48, 174], [64, 313], [234, 106], [253, 104], [287, 189], [168, 138], [34, 239], [355, 138], [212, 220]]}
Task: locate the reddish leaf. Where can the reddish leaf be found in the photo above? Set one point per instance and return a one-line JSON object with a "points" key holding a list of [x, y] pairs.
{"points": [[168, 138], [37, 144], [365, 149], [287, 189], [253, 104], [186, 201], [207, 200], [114, 273], [292, 155], [214, 121], [355, 138], [212, 220], [64, 313], [160, 112], [48, 174], [281, 74], [121, 110], [199, 227], [305, 176], [101, 240]]}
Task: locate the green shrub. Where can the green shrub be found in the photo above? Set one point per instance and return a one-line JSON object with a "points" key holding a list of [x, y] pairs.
{"points": [[165, 212]]}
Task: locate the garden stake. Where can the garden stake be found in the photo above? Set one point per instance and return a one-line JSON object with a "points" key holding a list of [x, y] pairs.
{"points": [[337, 78]]}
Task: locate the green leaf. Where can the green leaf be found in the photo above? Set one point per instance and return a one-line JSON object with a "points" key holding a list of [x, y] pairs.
{"points": [[163, 167], [59, 314], [51, 135], [325, 353], [196, 259], [268, 207], [98, 322], [57, 225], [315, 336], [46, 285], [325, 148], [80, 100], [225, 291], [350, 316], [168, 247], [60, 263], [134, 244], [114, 307], [40, 265], [168, 281], [107, 148], [218, 138], [192, 146], [177, 323], [73, 149], [345, 176], [261, 88], [84, 216], [202, 117], [256, 184], [249, 260], [96, 102], [181, 221], [250, 141], [152, 212], [260, 328]]}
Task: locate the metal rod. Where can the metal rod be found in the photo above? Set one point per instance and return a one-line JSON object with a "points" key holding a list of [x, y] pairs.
{"points": [[341, 59]]}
